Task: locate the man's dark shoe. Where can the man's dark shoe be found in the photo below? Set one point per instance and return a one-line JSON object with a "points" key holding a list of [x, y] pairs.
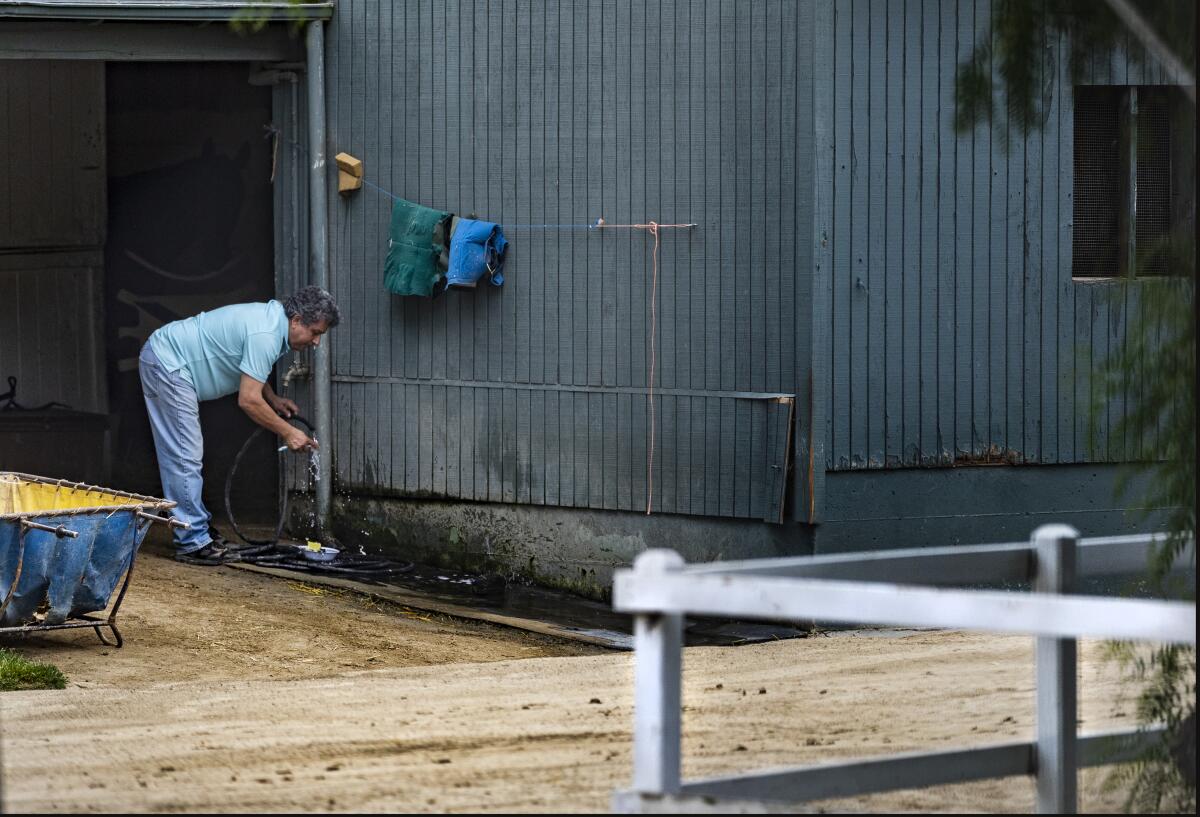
{"points": [[217, 539], [210, 554]]}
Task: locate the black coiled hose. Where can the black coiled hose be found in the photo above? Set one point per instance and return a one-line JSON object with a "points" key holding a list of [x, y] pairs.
{"points": [[269, 553]]}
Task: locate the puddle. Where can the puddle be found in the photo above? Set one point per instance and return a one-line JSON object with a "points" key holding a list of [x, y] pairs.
{"points": [[569, 615], [595, 619]]}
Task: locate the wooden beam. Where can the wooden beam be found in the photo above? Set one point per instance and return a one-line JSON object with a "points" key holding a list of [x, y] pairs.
{"points": [[116, 41], [881, 603]]}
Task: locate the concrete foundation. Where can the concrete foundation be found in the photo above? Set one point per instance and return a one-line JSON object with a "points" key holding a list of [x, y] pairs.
{"points": [[867, 510], [557, 547], [875, 510]]}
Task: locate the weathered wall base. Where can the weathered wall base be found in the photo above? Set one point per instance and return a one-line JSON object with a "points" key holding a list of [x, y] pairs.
{"points": [[873, 510], [569, 549], [578, 550]]}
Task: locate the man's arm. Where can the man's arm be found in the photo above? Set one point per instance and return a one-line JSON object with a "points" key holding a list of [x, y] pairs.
{"points": [[252, 401], [281, 405]]}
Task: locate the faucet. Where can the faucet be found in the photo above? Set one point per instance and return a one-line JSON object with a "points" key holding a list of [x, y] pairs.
{"points": [[295, 370]]}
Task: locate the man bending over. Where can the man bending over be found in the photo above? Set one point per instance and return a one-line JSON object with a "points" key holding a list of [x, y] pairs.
{"points": [[231, 349]]}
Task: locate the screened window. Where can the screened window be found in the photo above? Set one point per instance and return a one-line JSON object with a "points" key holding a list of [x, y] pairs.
{"points": [[1134, 179]]}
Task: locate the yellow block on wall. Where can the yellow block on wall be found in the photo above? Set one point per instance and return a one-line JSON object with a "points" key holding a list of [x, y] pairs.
{"points": [[350, 172]]}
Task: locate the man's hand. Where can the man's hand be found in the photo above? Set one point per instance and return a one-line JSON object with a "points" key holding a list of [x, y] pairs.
{"points": [[264, 407], [283, 406], [297, 440]]}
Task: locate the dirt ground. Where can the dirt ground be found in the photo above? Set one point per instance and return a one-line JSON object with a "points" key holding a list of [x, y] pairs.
{"points": [[238, 692]]}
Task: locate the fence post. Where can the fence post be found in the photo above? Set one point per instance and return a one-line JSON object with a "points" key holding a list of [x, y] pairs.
{"points": [[1057, 782], [658, 664]]}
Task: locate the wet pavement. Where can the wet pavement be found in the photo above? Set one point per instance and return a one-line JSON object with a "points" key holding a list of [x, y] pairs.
{"points": [[494, 594], [495, 598]]}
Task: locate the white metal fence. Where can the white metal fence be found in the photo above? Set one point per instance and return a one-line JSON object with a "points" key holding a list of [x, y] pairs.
{"points": [[893, 588]]}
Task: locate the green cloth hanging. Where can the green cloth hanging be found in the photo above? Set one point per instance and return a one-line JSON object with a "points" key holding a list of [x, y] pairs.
{"points": [[418, 236]]}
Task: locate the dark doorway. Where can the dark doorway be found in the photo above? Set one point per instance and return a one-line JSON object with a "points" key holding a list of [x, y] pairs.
{"points": [[189, 229]]}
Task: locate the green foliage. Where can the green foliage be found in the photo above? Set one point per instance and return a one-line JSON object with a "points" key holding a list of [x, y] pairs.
{"points": [[1155, 782], [17, 672], [1154, 373], [1014, 71], [1016, 62], [254, 16]]}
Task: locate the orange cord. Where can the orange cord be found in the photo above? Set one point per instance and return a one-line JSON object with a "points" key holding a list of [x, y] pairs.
{"points": [[653, 360], [653, 228]]}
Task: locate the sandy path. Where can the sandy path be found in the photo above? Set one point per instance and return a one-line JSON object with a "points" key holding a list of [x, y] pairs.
{"points": [[185, 623], [513, 735]]}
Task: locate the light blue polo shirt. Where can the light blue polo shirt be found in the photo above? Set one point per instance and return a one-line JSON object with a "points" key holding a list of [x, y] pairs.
{"points": [[213, 350]]}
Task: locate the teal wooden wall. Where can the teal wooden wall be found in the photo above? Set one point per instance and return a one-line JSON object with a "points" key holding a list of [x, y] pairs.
{"points": [[908, 288], [955, 333], [531, 112]]}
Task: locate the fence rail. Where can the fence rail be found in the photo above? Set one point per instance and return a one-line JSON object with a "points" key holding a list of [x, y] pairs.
{"points": [[874, 588]]}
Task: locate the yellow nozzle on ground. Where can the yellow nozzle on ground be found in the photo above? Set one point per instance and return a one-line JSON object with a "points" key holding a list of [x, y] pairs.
{"points": [[314, 545]]}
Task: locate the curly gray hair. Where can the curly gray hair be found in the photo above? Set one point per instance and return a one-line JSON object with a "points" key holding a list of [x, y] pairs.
{"points": [[312, 304]]}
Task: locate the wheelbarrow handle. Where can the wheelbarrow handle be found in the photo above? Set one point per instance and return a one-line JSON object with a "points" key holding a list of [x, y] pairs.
{"points": [[166, 520], [58, 531]]}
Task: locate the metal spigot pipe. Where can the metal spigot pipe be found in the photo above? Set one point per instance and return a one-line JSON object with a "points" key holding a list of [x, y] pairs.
{"points": [[319, 260]]}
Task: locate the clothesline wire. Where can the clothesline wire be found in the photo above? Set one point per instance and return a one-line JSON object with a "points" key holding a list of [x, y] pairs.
{"points": [[599, 224], [387, 193]]}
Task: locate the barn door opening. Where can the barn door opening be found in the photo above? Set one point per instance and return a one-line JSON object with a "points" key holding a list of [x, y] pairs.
{"points": [[189, 229]]}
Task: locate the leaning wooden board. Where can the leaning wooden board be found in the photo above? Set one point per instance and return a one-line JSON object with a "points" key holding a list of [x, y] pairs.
{"points": [[602, 638]]}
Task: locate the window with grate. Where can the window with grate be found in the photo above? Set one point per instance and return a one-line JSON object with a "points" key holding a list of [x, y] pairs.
{"points": [[1153, 181], [1094, 230], [1134, 179]]}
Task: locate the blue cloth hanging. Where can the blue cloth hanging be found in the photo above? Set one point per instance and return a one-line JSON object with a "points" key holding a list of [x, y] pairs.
{"points": [[477, 250]]}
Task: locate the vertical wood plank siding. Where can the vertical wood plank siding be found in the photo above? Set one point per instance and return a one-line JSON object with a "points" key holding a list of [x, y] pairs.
{"points": [[920, 278], [50, 316], [52, 165], [290, 199], [955, 332], [525, 112], [52, 225]]}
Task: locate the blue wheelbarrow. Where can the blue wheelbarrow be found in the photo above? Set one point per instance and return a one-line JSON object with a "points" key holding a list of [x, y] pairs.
{"points": [[64, 548]]}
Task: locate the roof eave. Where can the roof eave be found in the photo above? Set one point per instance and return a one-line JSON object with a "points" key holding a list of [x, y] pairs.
{"points": [[165, 11]]}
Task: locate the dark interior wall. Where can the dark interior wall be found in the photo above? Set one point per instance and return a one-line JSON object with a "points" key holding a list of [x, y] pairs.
{"points": [[51, 233], [190, 229]]}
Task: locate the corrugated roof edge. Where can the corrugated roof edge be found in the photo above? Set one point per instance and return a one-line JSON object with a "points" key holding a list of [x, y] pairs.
{"points": [[189, 10]]}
